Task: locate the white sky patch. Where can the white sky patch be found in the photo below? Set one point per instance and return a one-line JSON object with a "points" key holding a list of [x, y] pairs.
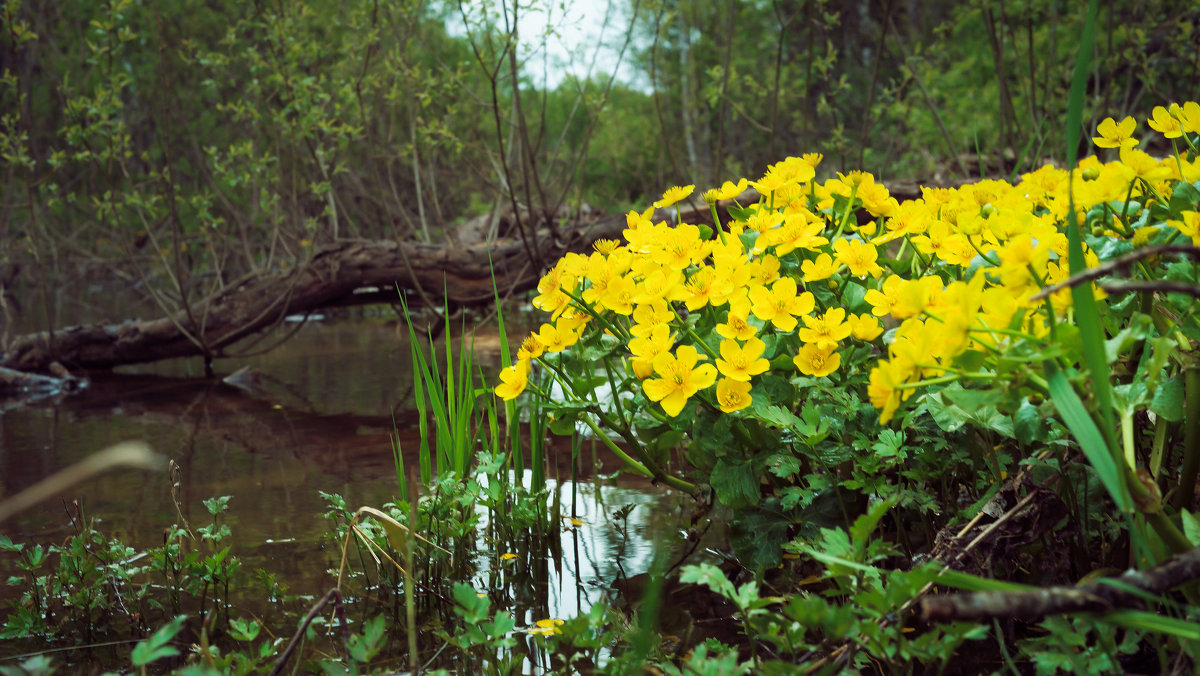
{"points": [[558, 39]]}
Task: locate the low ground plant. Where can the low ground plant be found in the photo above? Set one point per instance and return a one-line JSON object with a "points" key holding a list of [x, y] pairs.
{"points": [[856, 377]]}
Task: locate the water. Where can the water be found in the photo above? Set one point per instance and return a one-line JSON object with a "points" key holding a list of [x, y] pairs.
{"points": [[316, 415]]}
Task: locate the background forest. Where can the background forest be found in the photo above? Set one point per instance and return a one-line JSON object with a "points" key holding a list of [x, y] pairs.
{"points": [[215, 161], [185, 144]]}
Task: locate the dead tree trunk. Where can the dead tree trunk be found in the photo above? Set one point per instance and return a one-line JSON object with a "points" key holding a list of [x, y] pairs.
{"points": [[349, 272]]}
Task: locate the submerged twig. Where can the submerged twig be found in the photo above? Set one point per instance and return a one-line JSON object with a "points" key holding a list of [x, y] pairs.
{"points": [[334, 596]]}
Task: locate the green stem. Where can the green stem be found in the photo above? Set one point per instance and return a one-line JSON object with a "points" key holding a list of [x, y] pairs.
{"points": [[655, 473], [984, 256], [1185, 498], [846, 216], [1169, 532], [718, 234], [941, 380], [703, 345]]}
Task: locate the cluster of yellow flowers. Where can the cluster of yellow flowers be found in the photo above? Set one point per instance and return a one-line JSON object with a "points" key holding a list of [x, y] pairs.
{"points": [[973, 258]]}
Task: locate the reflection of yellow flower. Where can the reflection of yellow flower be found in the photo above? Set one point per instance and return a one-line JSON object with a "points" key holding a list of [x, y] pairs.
{"points": [[733, 395], [548, 627], [1113, 134], [673, 195], [679, 378], [817, 361]]}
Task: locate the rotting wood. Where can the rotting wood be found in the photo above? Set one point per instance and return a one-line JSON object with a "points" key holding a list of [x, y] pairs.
{"points": [[345, 273], [1126, 591]]}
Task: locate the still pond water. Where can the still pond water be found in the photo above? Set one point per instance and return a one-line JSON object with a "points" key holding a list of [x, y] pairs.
{"points": [[317, 416]]}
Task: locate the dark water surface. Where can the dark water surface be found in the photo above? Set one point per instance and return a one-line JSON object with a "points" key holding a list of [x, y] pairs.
{"points": [[316, 415]]}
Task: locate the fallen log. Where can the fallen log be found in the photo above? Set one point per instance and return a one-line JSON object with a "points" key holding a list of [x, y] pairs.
{"points": [[344, 273]]}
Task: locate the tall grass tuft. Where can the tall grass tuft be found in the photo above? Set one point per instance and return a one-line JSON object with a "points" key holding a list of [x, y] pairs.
{"points": [[449, 395]]}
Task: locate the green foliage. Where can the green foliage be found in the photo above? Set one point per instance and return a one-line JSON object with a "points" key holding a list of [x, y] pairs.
{"points": [[158, 646]]}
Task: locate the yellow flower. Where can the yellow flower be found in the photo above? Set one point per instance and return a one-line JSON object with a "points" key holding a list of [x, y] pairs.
{"points": [[763, 220], [800, 231], [826, 331], [555, 339], [673, 195], [764, 270], [550, 287], [727, 191], [737, 325], [646, 349], [1188, 115], [679, 379], [817, 361], [790, 171], [1189, 226], [606, 246], [648, 315], [660, 286], [883, 299], [618, 295], [681, 246], [1115, 134], [822, 268], [733, 395], [916, 295], [864, 327], [883, 386], [740, 362], [858, 256], [507, 556], [703, 289], [531, 348], [1165, 123], [1144, 165], [780, 304], [513, 380]]}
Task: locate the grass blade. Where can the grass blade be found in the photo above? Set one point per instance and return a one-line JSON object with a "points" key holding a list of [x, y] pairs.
{"points": [[1091, 440]]}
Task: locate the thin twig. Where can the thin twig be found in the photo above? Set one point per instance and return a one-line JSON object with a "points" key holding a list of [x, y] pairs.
{"points": [[1121, 264], [332, 595], [1166, 287], [1099, 596]]}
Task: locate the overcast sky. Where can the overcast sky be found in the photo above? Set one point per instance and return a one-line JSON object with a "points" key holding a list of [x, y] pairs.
{"points": [[575, 33]]}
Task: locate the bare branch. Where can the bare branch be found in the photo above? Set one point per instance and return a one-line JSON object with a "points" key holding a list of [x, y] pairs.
{"points": [[1119, 265], [1097, 597]]}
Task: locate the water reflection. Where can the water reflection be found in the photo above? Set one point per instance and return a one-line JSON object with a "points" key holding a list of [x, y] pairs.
{"points": [[315, 415]]}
